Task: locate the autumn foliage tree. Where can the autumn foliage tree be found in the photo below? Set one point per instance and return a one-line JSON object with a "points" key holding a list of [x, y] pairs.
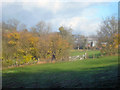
{"points": [[66, 33], [28, 47], [108, 36]]}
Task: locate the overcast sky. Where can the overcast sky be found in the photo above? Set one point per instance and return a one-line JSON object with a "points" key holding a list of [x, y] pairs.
{"points": [[82, 17]]}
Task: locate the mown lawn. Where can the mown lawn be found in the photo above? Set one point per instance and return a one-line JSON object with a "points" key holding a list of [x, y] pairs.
{"points": [[81, 52], [90, 73]]}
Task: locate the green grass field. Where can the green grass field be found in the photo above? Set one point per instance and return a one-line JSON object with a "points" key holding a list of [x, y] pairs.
{"points": [[90, 73], [78, 52]]}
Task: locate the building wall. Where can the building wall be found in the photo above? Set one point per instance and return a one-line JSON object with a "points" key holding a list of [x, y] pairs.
{"points": [[92, 43]]}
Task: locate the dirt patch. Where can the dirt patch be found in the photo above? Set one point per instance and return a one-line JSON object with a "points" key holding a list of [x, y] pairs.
{"points": [[43, 62]]}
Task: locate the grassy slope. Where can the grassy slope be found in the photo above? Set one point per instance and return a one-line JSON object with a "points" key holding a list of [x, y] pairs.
{"points": [[100, 72], [78, 52]]}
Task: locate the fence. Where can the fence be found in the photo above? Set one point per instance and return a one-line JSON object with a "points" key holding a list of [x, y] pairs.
{"points": [[84, 56]]}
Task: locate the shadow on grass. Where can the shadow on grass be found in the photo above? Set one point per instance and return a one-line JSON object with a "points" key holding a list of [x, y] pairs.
{"points": [[55, 78]]}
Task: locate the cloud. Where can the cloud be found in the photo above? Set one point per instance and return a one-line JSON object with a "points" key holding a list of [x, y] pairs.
{"points": [[83, 25], [86, 23], [81, 16], [70, 22], [52, 6]]}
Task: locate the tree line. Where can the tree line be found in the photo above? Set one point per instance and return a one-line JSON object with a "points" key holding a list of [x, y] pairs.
{"points": [[24, 46]]}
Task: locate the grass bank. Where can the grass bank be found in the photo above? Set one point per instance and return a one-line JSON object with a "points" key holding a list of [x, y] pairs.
{"points": [[97, 73]]}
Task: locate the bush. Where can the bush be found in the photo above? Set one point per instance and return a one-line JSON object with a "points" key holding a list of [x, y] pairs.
{"points": [[27, 48]]}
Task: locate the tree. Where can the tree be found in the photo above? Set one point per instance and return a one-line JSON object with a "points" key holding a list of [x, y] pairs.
{"points": [[10, 25], [108, 28], [22, 27], [80, 41], [42, 28], [13, 24], [66, 34], [31, 46]]}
